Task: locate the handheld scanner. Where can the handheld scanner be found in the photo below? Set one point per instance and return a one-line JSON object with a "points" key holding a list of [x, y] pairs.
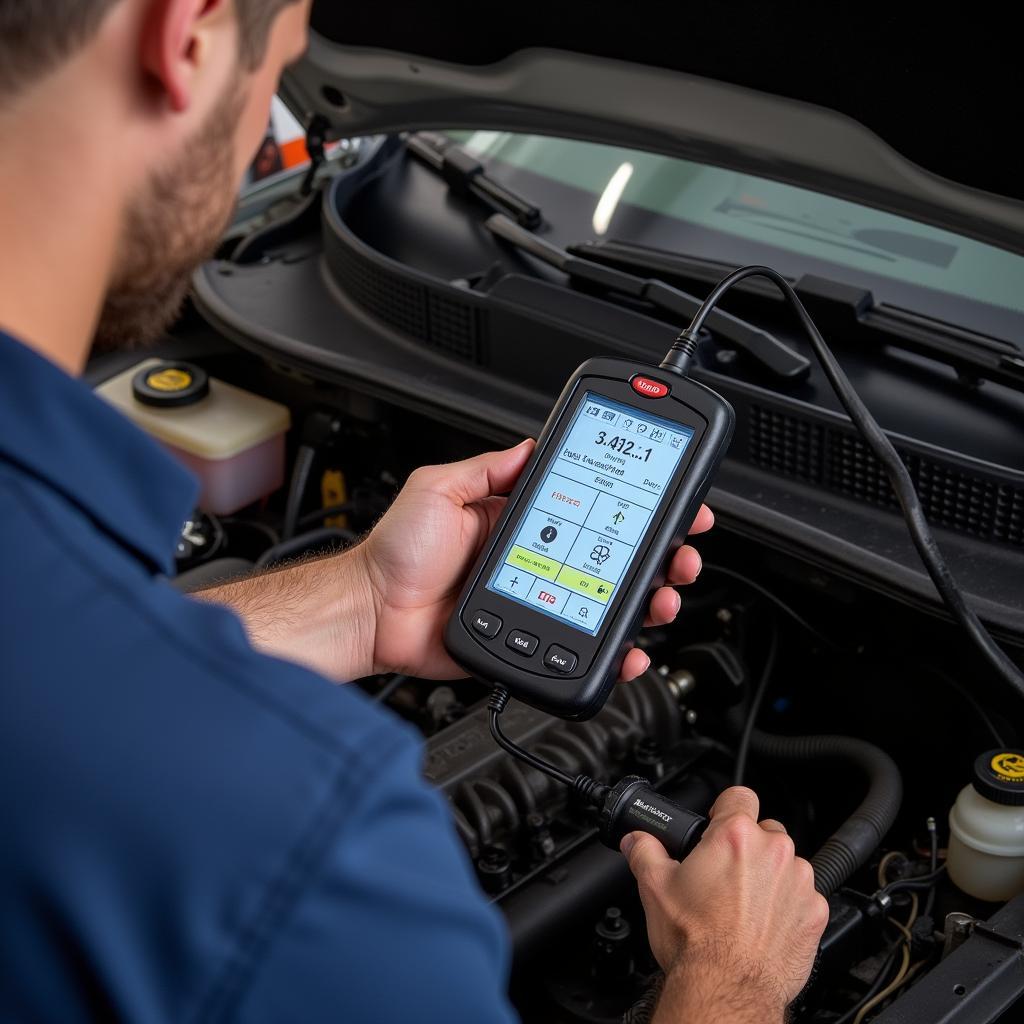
{"points": [[561, 589]]}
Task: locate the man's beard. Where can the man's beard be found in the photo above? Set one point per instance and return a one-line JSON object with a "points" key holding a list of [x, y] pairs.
{"points": [[169, 229]]}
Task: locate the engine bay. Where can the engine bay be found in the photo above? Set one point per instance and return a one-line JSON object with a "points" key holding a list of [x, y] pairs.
{"points": [[811, 660], [839, 666]]}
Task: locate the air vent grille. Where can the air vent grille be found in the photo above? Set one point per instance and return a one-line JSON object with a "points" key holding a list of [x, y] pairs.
{"points": [[839, 460], [397, 302], [454, 327], [785, 444], [428, 313]]}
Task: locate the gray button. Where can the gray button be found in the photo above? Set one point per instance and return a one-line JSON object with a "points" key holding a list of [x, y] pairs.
{"points": [[522, 643], [560, 659], [485, 623]]}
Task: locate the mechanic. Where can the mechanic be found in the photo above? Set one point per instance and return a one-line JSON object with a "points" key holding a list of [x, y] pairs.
{"points": [[196, 825]]}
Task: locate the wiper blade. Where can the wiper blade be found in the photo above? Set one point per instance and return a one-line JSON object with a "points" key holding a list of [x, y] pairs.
{"points": [[844, 307], [466, 176], [774, 356]]}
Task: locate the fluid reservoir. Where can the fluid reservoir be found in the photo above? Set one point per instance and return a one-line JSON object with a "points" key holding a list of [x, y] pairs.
{"points": [[231, 439], [986, 843]]}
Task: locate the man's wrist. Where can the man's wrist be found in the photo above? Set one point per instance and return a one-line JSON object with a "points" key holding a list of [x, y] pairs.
{"points": [[321, 613], [712, 981]]}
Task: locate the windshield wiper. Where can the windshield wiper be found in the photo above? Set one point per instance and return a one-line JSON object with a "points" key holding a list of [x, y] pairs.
{"points": [[466, 176], [843, 307], [774, 356]]}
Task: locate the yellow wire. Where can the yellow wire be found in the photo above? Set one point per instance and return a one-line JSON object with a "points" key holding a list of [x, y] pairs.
{"points": [[906, 972], [883, 866], [889, 989]]}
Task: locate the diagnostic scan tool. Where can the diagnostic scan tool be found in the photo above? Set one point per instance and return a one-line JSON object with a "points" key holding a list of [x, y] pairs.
{"points": [[562, 588]]}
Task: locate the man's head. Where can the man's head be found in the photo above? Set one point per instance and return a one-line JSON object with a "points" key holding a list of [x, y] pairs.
{"points": [[184, 93]]}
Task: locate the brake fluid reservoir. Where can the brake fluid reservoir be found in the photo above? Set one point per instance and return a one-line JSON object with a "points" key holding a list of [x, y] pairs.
{"points": [[986, 843], [231, 439]]}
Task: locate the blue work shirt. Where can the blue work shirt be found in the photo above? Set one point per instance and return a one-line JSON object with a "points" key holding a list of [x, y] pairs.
{"points": [[191, 830]]}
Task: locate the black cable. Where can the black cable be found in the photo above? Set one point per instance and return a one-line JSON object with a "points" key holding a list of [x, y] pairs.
{"points": [[743, 749], [918, 883], [388, 690], [712, 567], [678, 360], [296, 489], [589, 789]]}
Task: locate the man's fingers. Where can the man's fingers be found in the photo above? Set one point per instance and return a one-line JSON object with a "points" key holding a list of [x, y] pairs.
{"points": [[635, 663], [771, 825], [685, 566], [664, 608], [703, 521], [736, 800]]}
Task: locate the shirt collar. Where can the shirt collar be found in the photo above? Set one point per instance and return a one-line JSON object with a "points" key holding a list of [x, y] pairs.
{"points": [[53, 427]]}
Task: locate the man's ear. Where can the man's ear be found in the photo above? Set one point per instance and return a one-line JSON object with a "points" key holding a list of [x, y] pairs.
{"points": [[173, 38]]}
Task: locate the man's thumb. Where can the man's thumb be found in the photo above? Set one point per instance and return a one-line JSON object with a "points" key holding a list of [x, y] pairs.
{"points": [[645, 855], [488, 474]]}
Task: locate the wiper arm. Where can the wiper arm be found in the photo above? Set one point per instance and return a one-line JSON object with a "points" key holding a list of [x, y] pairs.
{"points": [[778, 359], [466, 176], [973, 356], [846, 307]]}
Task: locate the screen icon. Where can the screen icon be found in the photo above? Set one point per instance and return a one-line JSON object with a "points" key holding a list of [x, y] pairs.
{"points": [[548, 534]]}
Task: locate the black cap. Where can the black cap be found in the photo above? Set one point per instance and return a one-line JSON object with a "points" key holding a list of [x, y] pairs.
{"points": [[999, 776], [170, 385]]}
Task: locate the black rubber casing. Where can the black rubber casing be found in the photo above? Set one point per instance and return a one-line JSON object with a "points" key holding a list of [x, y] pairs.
{"points": [[581, 693], [635, 806]]}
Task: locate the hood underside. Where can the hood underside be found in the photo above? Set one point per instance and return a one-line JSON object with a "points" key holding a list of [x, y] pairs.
{"points": [[907, 115]]}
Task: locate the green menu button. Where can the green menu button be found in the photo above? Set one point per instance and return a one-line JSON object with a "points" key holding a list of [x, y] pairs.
{"points": [[591, 586]]}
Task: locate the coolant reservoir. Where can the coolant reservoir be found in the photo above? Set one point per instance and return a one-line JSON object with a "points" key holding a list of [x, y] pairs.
{"points": [[986, 843], [231, 439]]}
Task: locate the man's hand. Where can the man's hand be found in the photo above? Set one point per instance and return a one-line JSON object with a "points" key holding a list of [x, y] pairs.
{"points": [[418, 555], [382, 605], [736, 925]]}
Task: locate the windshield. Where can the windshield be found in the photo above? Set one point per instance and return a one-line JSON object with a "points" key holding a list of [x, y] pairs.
{"points": [[718, 214]]}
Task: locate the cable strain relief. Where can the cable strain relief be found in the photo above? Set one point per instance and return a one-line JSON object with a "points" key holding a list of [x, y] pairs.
{"points": [[498, 700], [589, 790], [680, 355]]}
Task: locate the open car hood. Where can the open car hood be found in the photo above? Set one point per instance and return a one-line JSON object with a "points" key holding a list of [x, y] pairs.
{"points": [[907, 115]]}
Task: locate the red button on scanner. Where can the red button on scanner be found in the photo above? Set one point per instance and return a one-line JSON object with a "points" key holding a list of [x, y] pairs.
{"points": [[648, 388]]}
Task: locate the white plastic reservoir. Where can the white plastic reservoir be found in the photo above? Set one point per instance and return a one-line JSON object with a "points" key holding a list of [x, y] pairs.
{"points": [[986, 843], [231, 439]]}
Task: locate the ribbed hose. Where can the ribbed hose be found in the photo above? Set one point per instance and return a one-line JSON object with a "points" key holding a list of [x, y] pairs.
{"points": [[849, 847]]}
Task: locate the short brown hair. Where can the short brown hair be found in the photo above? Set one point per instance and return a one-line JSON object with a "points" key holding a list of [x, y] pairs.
{"points": [[36, 37]]}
